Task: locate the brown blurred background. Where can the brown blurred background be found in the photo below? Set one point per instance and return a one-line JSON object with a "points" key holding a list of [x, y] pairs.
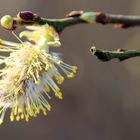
{"points": [[103, 101]]}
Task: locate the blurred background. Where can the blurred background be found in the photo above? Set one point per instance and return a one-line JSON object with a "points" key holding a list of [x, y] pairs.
{"points": [[103, 101]]}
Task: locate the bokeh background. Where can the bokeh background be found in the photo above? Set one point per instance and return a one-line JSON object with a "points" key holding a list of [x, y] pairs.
{"points": [[103, 101]]}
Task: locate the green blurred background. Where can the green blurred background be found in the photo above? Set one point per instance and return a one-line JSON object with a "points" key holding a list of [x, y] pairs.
{"points": [[103, 101]]}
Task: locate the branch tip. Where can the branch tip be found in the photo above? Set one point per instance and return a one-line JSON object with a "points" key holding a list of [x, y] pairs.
{"points": [[93, 50]]}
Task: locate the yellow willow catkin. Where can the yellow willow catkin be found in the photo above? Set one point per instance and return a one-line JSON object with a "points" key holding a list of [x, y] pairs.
{"points": [[30, 73]]}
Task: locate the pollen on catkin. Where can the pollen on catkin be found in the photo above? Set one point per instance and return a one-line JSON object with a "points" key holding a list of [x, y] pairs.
{"points": [[31, 73]]}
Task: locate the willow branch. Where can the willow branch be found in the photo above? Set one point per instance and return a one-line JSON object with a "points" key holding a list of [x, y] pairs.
{"points": [[25, 18], [76, 17], [120, 54]]}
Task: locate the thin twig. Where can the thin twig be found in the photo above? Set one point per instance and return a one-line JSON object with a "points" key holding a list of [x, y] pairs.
{"points": [[120, 54], [77, 17]]}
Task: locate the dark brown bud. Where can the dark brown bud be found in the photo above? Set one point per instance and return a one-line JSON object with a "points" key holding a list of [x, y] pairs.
{"points": [[102, 18], [26, 16]]}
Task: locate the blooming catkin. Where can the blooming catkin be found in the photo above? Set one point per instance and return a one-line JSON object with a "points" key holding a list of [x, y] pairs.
{"points": [[30, 73]]}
